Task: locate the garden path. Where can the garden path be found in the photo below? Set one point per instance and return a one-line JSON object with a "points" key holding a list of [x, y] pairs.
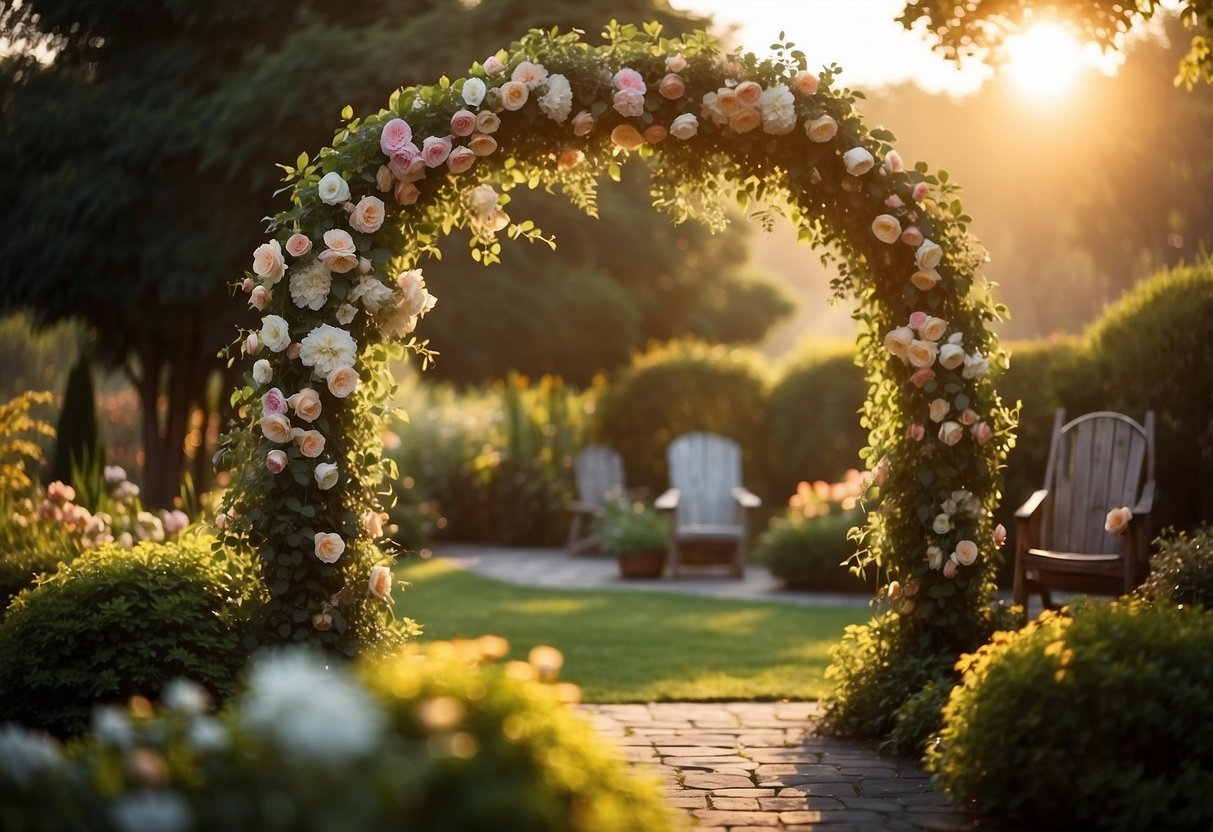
{"points": [[738, 766]]}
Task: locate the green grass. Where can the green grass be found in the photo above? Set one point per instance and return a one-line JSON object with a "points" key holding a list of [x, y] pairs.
{"points": [[636, 646]]}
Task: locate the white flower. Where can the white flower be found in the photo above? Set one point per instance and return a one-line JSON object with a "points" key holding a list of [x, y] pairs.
{"points": [[558, 100], [951, 356], [778, 110], [275, 333], [326, 348], [310, 287], [928, 255], [415, 298], [326, 475], [262, 372], [684, 126], [976, 366], [333, 189], [934, 557], [115, 474], [24, 754], [372, 294], [185, 697], [473, 92], [942, 524], [150, 811], [206, 734], [316, 712], [483, 200], [112, 727], [858, 161], [951, 432], [346, 314]]}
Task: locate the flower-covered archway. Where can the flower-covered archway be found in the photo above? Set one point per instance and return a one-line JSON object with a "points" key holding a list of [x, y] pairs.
{"points": [[340, 291]]}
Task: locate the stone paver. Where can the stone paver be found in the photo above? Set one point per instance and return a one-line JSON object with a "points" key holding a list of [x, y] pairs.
{"points": [[804, 783]]}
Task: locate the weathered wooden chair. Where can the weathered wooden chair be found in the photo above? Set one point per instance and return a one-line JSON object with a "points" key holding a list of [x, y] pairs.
{"points": [[706, 501], [1097, 462], [598, 473]]}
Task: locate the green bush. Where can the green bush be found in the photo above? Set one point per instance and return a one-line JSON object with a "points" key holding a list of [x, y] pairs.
{"points": [[812, 429], [918, 718], [677, 388], [429, 740], [629, 528], [1100, 720], [1181, 570], [118, 622], [809, 553]]}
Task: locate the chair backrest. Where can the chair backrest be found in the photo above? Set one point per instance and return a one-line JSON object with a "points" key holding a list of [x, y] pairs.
{"points": [[599, 471], [1097, 462], [705, 467]]}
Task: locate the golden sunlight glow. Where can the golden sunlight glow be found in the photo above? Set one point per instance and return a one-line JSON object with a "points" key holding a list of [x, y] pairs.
{"points": [[1044, 60]]}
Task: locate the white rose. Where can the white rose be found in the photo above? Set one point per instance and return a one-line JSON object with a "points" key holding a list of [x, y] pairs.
{"points": [[821, 129], [887, 228], [922, 353], [933, 328], [326, 475], [898, 341], [939, 409], [333, 189], [473, 92], [951, 432], [934, 556], [951, 356], [928, 255], [274, 333], [976, 366], [858, 161], [262, 372], [685, 126], [942, 524]]}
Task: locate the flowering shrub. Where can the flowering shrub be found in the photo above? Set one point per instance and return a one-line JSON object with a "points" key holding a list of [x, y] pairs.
{"points": [[1181, 569], [339, 281], [437, 740]]}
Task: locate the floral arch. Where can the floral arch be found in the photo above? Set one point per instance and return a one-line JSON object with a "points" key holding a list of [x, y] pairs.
{"points": [[340, 291]]}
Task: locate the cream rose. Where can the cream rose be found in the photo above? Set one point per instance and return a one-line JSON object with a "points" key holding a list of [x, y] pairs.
{"points": [[898, 341], [326, 475], [925, 279], [928, 255], [922, 353], [333, 189], [263, 373], [487, 122], [951, 432], [939, 409], [887, 228], [966, 553], [346, 313], [942, 524], [976, 366], [685, 126], [380, 583], [858, 161], [933, 328], [339, 241], [368, 215], [675, 63], [274, 333], [268, 263], [934, 557], [343, 381], [311, 443], [276, 428], [306, 404], [529, 73], [329, 546], [951, 356], [821, 129], [514, 95]]}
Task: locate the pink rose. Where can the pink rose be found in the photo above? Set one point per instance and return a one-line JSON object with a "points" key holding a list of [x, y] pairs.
{"points": [[629, 103], [435, 150], [275, 461], [672, 87], [293, 350], [252, 344], [893, 162], [306, 404], [260, 298], [247, 285], [311, 443], [920, 192], [917, 432], [655, 134], [404, 162], [493, 65], [982, 432], [273, 402], [583, 123], [917, 319], [1000, 534], [482, 145], [630, 79], [343, 381], [461, 159], [463, 123], [893, 201], [380, 583], [912, 236], [396, 134], [298, 245], [921, 377], [949, 568], [748, 92], [176, 520], [675, 63], [806, 82], [329, 546]]}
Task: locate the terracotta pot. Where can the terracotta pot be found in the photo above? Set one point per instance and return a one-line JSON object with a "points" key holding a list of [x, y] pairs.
{"points": [[644, 565]]}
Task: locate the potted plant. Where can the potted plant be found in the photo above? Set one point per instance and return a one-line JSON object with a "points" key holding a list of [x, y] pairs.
{"points": [[635, 535]]}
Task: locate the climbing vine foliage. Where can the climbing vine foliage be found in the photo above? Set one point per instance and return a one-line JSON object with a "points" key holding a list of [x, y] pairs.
{"points": [[340, 290]]}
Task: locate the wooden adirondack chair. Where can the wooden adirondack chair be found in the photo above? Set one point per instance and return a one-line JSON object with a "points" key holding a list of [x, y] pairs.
{"points": [[706, 501], [599, 474], [1097, 462]]}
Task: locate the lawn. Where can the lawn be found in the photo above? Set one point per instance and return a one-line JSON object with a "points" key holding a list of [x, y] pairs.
{"points": [[636, 646]]}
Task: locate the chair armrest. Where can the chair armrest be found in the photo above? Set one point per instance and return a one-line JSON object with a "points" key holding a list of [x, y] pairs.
{"points": [[1146, 504], [582, 507], [1031, 505], [668, 501], [745, 498]]}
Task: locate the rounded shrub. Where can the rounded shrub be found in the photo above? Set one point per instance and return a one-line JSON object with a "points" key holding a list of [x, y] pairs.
{"points": [[677, 388], [812, 429], [810, 553], [118, 622], [1181, 570], [1098, 720]]}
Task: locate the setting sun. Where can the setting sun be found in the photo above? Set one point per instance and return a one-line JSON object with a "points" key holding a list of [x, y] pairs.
{"points": [[1045, 59]]}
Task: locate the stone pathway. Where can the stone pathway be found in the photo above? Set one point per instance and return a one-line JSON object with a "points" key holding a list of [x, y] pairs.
{"points": [[746, 767]]}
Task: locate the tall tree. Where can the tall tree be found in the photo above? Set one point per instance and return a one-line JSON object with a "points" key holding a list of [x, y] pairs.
{"points": [[139, 157]]}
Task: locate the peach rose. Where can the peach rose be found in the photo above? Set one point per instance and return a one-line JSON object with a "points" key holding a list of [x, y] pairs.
{"points": [[628, 103], [922, 353], [806, 82], [311, 443], [487, 121], [343, 381], [627, 137], [260, 298], [435, 150], [968, 416], [461, 159], [887, 228], [276, 428], [339, 241], [368, 215], [583, 123], [275, 461], [569, 157], [326, 475], [982, 432], [406, 193], [380, 583], [372, 524], [529, 73], [821, 129], [895, 589], [745, 120], [655, 134], [748, 92], [298, 245], [939, 409], [463, 123], [685, 126], [951, 432], [514, 95], [672, 87], [329, 546], [928, 255], [268, 263], [726, 102], [898, 341], [933, 328], [921, 377], [306, 404], [925, 279], [966, 553]]}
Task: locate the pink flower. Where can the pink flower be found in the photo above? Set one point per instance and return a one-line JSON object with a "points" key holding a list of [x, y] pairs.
{"points": [[461, 159], [252, 344], [630, 79], [912, 236], [893, 201], [920, 192], [292, 351], [493, 65], [917, 319], [1000, 534], [982, 432], [298, 245], [893, 162], [175, 520], [655, 133], [60, 491], [806, 82], [260, 298], [396, 134], [435, 150], [675, 63], [922, 376], [966, 553], [406, 162], [273, 402], [917, 432], [629, 103], [672, 87], [275, 461], [463, 123], [949, 568]]}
